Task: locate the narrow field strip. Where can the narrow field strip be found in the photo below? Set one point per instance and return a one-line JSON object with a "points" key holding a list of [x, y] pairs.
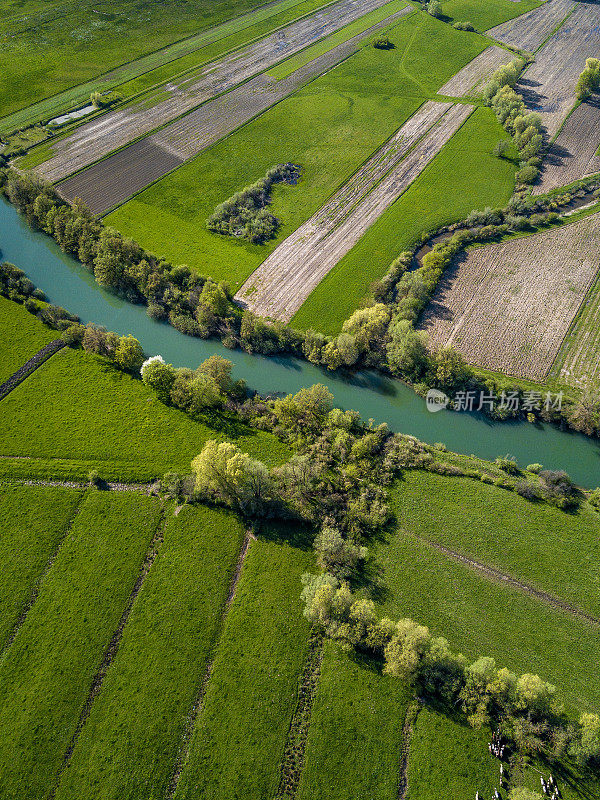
{"points": [[284, 280], [30, 366], [110, 182], [410, 719], [100, 137], [239, 738], [509, 306], [471, 77], [45, 676], [578, 363], [33, 523], [530, 30], [355, 739], [130, 740]]}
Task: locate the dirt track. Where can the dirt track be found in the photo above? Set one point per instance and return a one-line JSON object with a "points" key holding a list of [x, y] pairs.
{"points": [[573, 154], [530, 30], [508, 306], [470, 78], [113, 180], [102, 136], [284, 280]]}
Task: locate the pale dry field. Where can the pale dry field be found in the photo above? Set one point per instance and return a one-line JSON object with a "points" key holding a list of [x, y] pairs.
{"points": [[508, 306], [115, 179], [285, 279], [471, 78], [102, 136], [530, 30], [573, 154]]}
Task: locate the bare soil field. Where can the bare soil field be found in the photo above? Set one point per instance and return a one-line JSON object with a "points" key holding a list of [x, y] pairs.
{"points": [[471, 77], [531, 30], [508, 306], [284, 280], [573, 154], [105, 134], [548, 86], [110, 182]]}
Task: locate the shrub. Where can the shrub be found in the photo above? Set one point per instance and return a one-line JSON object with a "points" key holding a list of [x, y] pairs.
{"points": [[527, 174], [595, 499], [382, 43], [434, 7], [529, 491], [535, 468], [508, 465], [463, 26]]}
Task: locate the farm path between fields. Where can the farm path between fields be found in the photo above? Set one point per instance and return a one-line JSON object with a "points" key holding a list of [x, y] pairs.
{"points": [[407, 730], [285, 279], [112, 130], [30, 366], [114, 180], [504, 578], [198, 704]]}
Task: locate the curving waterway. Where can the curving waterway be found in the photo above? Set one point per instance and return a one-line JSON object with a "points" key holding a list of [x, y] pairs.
{"points": [[67, 283]]}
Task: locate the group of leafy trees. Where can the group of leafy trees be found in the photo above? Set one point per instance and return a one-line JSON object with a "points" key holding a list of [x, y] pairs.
{"points": [[524, 127], [245, 214], [589, 80]]}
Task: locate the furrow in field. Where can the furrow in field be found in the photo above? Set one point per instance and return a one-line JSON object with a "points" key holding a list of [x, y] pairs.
{"points": [[573, 154], [102, 136], [113, 180], [548, 85], [470, 78], [284, 280], [530, 30]]}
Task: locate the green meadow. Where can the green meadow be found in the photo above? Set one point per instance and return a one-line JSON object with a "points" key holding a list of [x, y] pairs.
{"points": [[21, 336]]}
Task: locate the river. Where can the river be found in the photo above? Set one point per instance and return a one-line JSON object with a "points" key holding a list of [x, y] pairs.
{"points": [[67, 283]]}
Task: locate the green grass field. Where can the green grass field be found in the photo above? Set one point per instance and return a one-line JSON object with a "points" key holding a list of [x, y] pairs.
{"points": [[21, 336], [536, 543], [51, 46], [93, 411], [33, 520], [240, 734], [130, 741], [47, 673], [330, 127], [449, 759], [486, 15], [465, 173], [355, 732]]}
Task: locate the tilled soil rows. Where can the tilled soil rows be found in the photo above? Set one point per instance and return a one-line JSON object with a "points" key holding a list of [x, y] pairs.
{"points": [[530, 30], [508, 306], [284, 280], [573, 154], [100, 137], [113, 180], [471, 77]]}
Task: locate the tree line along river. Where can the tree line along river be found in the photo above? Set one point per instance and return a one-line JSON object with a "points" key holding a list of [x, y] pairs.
{"points": [[67, 283]]}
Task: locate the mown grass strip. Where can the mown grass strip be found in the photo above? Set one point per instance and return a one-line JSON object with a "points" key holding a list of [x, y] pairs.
{"points": [[240, 734], [130, 740], [21, 336], [33, 522], [46, 674], [355, 734]]}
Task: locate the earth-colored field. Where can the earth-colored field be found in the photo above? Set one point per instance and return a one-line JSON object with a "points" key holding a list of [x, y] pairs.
{"points": [[530, 31], [578, 363], [574, 152], [508, 306], [283, 282], [100, 137], [471, 77]]}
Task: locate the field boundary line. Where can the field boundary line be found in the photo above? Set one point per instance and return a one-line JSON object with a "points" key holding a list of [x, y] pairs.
{"points": [[112, 486], [198, 704], [292, 761], [30, 366], [113, 645], [556, 30], [407, 729], [503, 577], [40, 581]]}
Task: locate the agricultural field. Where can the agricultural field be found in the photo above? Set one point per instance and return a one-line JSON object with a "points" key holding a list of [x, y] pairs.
{"points": [[574, 152], [21, 336], [577, 363], [485, 15], [471, 78], [529, 31], [508, 306]]}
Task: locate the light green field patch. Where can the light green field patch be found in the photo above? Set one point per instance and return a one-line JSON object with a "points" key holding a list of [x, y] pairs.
{"points": [[486, 15], [21, 336]]}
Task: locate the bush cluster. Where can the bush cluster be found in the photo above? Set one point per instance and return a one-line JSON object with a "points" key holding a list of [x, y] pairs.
{"points": [[245, 215], [589, 80]]}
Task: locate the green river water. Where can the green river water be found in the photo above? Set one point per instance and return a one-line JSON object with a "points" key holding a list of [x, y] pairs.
{"points": [[68, 283]]}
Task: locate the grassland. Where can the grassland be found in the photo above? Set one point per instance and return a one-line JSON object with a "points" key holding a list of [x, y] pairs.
{"points": [[449, 759], [327, 128], [486, 15], [21, 336], [465, 173], [355, 733], [130, 741], [33, 521], [482, 617], [240, 733], [95, 412], [46, 675], [53, 47]]}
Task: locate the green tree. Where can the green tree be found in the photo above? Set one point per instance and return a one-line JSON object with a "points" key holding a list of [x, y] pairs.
{"points": [[407, 350], [129, 354], [219, 369], [586, 746], [159, 376]]}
